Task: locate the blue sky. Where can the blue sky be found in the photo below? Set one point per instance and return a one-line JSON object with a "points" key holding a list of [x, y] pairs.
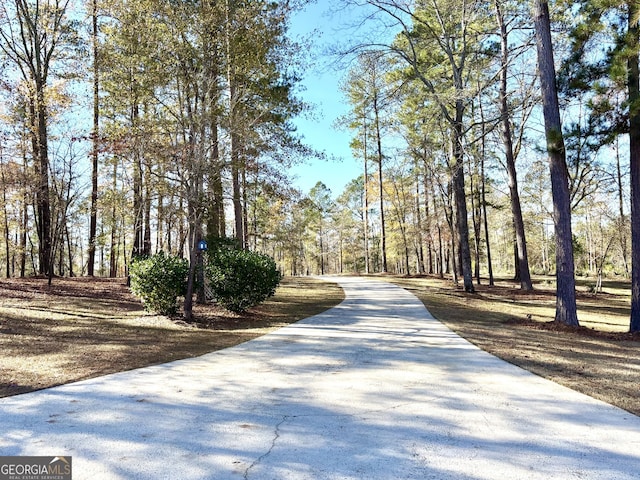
{"points": [[322, 90]]}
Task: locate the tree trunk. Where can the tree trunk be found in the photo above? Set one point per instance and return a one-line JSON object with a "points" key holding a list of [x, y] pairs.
{"points": [[507, 140], [38, 120], [113, 257], [516, 258], [7, 246], [476, 217], [366, 199], [440, 253], [193, 254], [182, 236], [321, 253], [69, 250], [566, 309], [427, 213], [419, 229], [237, 191], [236, 167], [622, 223], [402, 224], [383, 233], [160, 244], [462, 222], [451, 263], [245, 203], [146, 240], [215, 218], [634, 164], [484, 216], [522, 258], [32, 45], [213, 60], [25, 219], [93, 220], [44, 203], [234, 125], [138, 241]]}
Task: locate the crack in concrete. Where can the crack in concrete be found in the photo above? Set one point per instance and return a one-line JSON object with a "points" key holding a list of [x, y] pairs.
{"points": [[268, 452], [287, 417]]}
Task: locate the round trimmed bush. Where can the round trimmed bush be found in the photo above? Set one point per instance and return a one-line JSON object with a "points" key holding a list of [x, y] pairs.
{"points": [[158, 280], [240, 279]]}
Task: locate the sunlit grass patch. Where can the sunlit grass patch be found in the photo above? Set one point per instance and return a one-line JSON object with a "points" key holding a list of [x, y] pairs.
{"points": [[82, 328], [600, 359]]}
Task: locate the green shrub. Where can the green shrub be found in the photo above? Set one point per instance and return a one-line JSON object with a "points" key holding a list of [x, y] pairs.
{"points": [[240, 279], [158, 280]]}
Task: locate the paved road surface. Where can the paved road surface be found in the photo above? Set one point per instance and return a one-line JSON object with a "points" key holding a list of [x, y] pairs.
{"points": [[372, 389]]}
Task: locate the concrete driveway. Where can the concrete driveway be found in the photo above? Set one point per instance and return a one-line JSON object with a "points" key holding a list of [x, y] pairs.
{"points": [[372, 389]]}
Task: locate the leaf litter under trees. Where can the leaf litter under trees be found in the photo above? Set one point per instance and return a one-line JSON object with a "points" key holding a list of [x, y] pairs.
{"points": [[80, 328]]}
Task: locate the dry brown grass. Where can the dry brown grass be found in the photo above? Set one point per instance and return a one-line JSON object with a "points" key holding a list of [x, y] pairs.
{"points": [[81, 328], [599, 359]]}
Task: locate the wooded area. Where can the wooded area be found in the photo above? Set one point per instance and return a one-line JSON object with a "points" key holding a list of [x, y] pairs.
{"points": [[130, 127]]}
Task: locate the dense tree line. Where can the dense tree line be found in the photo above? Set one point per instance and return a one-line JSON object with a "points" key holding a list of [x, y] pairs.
{"points": [[447, 117], [192, 105], [131, 127]]}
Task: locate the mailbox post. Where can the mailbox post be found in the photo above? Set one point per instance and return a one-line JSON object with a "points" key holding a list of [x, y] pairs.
{"points": [[202, 247]]}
